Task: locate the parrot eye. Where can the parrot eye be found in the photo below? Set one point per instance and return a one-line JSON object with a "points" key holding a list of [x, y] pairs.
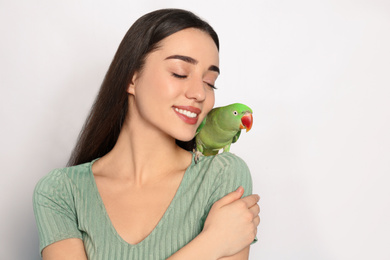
{"points": [[235, 113]]}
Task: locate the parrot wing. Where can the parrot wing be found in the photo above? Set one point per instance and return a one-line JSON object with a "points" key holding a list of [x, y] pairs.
{"points": [[235, 138], [201, 126]]}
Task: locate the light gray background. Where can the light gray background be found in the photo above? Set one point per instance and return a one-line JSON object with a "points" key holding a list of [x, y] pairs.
{"points": [[316, 74]]}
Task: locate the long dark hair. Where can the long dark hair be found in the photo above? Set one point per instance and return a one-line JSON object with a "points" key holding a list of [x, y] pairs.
{"points": [[103, 125]]}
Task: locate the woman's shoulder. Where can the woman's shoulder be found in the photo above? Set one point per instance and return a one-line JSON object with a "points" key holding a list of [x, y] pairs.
{"points": [[61, 179], [224, 173], [224, 162], [224, 167]]}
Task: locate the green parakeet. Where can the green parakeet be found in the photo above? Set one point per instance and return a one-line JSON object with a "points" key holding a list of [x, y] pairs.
{"points": [[221, 127]]}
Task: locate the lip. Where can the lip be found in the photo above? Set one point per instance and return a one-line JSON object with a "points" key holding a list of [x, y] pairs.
{"points": [[186, 119], [189, 108]]}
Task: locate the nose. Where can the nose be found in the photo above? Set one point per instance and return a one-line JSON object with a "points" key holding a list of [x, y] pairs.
{"points": [[196, 90]]}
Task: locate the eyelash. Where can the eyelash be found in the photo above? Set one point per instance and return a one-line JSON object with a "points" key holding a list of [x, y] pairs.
{"points": [[184, 76], [179, 76]]}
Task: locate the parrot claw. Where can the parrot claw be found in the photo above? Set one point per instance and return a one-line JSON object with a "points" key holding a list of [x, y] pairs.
{"points": [[197, 156]]}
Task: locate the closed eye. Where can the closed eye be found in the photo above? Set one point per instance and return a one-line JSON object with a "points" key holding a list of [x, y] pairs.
{"points": [[185, 76], [211, 85], [179, 76]]}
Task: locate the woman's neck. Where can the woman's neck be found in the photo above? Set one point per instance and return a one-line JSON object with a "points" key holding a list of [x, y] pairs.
{"points": [[143, 155]]}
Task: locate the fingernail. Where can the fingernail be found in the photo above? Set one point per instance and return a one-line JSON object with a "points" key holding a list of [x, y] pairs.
{"points": [[239, 190]]}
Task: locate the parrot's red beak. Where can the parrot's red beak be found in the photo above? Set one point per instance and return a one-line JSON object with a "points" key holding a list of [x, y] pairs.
{"points": [[246, 121]]}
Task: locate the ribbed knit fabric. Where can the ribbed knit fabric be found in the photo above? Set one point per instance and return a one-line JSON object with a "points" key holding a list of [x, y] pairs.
{"points": [[67, 204]]}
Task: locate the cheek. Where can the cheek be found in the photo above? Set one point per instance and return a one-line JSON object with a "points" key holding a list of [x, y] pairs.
{"points": [[161, 86], [207, 105], [155, 95], [145, 96], [149, 88], [210, 100]]}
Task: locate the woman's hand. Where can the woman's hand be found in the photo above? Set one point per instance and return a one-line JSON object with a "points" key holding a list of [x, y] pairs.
{"points": [[230, 228], [232, 222]]}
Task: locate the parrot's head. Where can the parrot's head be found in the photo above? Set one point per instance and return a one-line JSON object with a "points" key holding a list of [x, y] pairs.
{"points": [[237, 116]]}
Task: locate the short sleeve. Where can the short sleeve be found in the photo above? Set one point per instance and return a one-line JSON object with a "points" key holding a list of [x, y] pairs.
{"points": [[233, 173], [54, 209]]}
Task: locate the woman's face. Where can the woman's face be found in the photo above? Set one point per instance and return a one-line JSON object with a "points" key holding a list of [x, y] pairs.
{"points": [[174, 91]]}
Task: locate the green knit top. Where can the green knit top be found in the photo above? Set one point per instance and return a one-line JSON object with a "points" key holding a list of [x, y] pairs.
{"points": [[67, 204]]}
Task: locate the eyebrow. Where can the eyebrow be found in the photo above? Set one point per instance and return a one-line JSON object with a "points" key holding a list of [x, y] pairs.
{"points": [[191, 61]]}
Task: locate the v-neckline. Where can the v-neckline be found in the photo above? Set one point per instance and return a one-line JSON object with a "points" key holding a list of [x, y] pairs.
{"points": [[163, 217]]}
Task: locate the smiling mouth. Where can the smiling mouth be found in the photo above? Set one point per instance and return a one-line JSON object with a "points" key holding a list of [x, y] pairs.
{"points": [[186, 113]]}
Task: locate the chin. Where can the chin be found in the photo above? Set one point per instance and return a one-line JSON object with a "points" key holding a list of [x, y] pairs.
{"points": [[187, 139], [183, 137]]}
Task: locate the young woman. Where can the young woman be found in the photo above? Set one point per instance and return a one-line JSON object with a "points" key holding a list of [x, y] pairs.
{"points": [[132, 189]]}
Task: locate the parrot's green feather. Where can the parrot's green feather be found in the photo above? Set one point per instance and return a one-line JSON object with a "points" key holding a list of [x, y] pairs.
{"points": [[221, 127], [201, 125], [235, 138]]}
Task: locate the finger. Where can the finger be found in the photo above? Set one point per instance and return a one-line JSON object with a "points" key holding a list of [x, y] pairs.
{"points": [[255, 209], [256, 220], [229, 198], [251, 200], [256, 205]]}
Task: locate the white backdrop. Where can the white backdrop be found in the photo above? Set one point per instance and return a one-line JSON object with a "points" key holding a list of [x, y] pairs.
{"points": [[316, 74]]}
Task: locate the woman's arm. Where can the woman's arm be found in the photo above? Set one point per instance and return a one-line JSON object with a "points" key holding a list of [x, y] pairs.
{"points": [[242, 255], [230, 228], [67, 249], [54, 210]]}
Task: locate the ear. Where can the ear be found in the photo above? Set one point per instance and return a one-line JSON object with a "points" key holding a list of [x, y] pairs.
{"points": [[131, 87]]}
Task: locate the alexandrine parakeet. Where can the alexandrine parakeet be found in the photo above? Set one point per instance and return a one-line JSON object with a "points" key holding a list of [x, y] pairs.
{"points": [[221, 127]]}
